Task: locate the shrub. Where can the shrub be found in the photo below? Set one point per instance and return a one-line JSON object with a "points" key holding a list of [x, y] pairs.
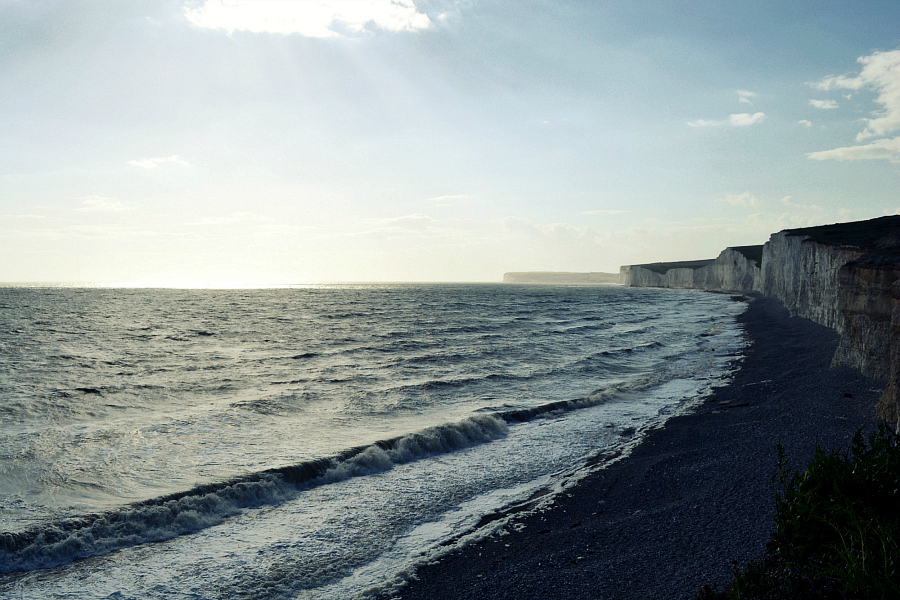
{"points": [[837, 526]]}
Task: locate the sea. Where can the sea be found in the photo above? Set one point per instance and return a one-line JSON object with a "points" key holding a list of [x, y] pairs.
{"points": [[319, 441]]}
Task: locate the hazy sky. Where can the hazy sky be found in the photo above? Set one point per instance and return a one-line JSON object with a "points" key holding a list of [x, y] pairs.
{"points": [[288, 142]]}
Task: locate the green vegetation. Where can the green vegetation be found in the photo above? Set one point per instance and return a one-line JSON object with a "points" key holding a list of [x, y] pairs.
{"points": [[838, 524]]}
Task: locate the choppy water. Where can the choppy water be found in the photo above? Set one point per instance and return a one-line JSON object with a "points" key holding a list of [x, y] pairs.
{"points": [[314, 442]]}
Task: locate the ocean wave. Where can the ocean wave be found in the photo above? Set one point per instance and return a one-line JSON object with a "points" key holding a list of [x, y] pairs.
{"points": [[276, 404], [437, 357], [624, 359], [716, 329], [188, 335], [583, 328], [62, 542], [186, 512], [441, 439], [466, 329], [59, 403], [458, 382], [627, 350]]}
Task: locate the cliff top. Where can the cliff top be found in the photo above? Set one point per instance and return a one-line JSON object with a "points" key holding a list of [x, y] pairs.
{"points": [[663, 267], [872, 234]]}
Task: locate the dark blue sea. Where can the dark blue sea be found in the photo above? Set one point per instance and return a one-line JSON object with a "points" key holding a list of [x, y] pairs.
{"points": [[316, 441]]}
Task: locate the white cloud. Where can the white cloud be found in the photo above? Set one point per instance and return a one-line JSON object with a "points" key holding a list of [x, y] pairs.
{"points": [[736, 120], [154, 163], [880, 73], [744, 96], [100, 204], [319, 19], [746, 119], [787, 201], [823, 104], [805, 122], [745, 199], [884, 149]]}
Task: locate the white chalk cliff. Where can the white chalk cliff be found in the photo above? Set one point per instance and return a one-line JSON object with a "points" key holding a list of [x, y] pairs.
{"points": [[844, 276], [735, 269]]}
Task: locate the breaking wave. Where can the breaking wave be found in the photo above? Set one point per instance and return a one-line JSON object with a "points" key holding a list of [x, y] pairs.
{"points": [[182, 513]]}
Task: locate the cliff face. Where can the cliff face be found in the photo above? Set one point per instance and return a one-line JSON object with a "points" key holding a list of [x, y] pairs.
{"points": [[734, 270], [803, 274], [866, 304], [844, 276]]}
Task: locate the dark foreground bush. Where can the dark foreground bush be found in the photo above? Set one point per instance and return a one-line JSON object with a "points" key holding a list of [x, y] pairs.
{"points": [[838, 524]]}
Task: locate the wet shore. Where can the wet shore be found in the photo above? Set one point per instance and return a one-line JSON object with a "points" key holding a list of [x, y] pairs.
{"points": [[692, 498]]}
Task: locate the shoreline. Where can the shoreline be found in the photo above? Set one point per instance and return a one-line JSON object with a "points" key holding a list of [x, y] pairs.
{"points": [[691, 498]]}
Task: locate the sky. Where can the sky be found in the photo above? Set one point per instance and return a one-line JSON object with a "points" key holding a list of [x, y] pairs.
{"points": [[220, 142]]}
